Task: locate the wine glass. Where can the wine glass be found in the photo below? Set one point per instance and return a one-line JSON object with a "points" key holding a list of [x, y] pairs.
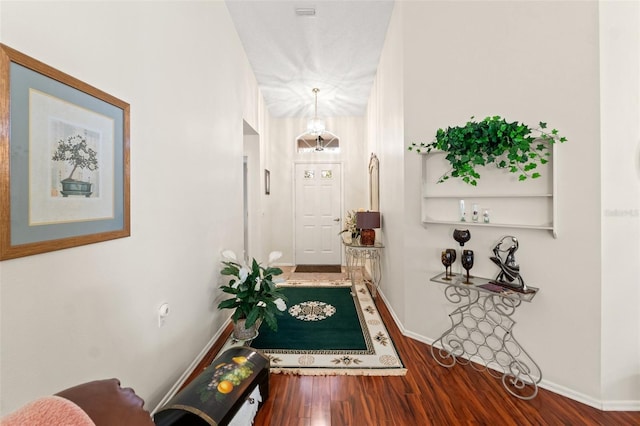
{"points": [[446, 261], [467, 262], [461, 236], [452, 253]]}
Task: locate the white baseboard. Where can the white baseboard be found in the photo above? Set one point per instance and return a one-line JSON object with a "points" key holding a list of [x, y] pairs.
{"points": [[176, 386], [392, 312], [615, 405], [621, 405], [571, 394]]}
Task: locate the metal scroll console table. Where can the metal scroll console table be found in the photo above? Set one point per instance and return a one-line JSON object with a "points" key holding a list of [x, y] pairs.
{"points": [[357, 255], [482, 331]]}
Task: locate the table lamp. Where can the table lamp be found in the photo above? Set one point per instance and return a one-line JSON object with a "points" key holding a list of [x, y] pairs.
{"points": [[367, 222]]}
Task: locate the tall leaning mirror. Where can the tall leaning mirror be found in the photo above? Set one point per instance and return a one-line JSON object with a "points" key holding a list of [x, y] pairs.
{"points": [[374, 183]]}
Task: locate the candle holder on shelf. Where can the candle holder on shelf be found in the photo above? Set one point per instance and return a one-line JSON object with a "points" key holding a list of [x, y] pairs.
{"points": [[462, 212]]}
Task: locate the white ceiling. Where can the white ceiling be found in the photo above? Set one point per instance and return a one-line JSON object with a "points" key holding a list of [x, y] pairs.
{"points": [[336, 50]]}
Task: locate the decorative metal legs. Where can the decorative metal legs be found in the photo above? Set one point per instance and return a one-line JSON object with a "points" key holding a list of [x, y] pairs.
{"points": [[482, 331], [357, 256]]}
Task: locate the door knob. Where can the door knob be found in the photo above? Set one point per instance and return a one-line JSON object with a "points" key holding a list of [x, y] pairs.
{"points": [[337, 219]]}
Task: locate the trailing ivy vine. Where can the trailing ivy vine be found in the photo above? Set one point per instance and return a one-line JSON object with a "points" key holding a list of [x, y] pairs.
{"points": [[513, 146]]}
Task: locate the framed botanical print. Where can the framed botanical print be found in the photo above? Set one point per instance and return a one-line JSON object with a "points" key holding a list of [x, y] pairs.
{"points": [[64, 150]]}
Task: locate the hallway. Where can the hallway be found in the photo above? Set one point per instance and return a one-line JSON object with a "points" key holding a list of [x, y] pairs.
{"points": [[428, 395]]}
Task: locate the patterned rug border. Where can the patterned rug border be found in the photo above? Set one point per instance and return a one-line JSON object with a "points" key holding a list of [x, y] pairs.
{"points": [[385, 361], [314, 283]]}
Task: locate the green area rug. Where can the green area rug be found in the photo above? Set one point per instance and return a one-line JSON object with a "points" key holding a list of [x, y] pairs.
{"points": [[318, 319], [328, 330]]}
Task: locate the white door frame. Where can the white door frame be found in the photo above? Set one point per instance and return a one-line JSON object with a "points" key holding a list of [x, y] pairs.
{"points": [[293, 206], [252, 205]]}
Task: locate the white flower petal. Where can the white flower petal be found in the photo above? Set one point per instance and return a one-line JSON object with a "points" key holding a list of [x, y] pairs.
{"points": [[274, 255], [280, 304], [257, 286], [243, 274], [261, 304], [229, 254]]}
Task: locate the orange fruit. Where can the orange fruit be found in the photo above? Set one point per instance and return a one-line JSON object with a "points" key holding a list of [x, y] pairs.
{"points": [[225, 386]]}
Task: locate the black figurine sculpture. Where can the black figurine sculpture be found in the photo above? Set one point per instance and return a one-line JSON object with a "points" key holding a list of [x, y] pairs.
{"points": [[509, 268]]}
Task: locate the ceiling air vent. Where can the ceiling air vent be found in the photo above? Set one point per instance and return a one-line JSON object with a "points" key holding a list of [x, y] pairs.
{"points": [[305, 11]]}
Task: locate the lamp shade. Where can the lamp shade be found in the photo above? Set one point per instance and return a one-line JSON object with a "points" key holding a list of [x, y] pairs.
{"points": [[367, 220]]}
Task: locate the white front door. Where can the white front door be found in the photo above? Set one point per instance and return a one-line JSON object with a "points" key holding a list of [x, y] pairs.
{"points": [[317, 214]]}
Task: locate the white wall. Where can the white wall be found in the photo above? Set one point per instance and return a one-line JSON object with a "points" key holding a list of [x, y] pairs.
{"points": [[90, 312], [455, 67], [385, 129], [527, 61], [620, 130], [282, 156]]}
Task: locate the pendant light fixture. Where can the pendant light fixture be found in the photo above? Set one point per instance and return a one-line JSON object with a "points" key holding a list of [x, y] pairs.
{"points": [[317, 138], [315, 125]]}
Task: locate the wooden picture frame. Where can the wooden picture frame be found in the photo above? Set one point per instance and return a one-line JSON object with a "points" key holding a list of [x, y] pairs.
{"points": [[53, 125]]}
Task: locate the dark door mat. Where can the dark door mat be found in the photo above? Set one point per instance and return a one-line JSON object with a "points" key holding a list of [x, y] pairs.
{"points": [[318, 268]]}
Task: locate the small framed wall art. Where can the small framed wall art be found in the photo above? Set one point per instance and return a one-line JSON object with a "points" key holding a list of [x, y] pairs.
{"points": [[64, 155], [267, 182]]}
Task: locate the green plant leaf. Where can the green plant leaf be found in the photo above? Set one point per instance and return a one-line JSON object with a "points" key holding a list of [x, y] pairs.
{"points": [[478, 160], [227, 304], [254, 314], [271, 321], [492, 140], [229, 289]]}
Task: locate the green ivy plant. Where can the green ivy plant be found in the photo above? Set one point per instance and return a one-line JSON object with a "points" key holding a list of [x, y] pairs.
{"points": [[513, 146]]}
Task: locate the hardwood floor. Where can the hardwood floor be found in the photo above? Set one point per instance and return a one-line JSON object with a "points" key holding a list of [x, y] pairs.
{"points": [[428, 395]]}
